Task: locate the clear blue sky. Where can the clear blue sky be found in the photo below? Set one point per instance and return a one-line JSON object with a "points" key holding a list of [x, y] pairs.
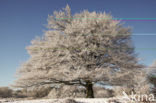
{"points": [[23, 20]]}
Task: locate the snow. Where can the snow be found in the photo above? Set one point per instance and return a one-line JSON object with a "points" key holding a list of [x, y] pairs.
{"points": [[79, 100]]}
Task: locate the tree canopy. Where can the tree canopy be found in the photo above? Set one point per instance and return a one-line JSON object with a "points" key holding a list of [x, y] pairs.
{"points": [[80, 49]]}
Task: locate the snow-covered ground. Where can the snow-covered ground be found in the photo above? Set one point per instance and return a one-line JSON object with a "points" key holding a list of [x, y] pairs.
{"points": [[78, 100]]}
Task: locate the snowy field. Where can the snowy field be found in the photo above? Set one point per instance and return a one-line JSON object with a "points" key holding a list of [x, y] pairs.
{"points": [[80, 100]]}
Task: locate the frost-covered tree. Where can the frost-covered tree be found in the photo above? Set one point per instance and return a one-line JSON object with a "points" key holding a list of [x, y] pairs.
{"points": [[80, 49]]}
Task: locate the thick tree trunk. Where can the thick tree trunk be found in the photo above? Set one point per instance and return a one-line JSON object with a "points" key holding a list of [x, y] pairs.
{"points": [[89, 90]]}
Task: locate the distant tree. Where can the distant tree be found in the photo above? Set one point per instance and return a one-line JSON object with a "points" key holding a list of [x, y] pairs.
{"points": [[6, 92], [152, 76], [81, 49]]}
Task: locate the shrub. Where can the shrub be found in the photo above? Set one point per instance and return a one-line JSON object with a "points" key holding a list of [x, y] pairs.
{"points": [[101, 92], [20, 93], [119, 89], [39, 92], [67, 91], [152, 80], [6, 92]]}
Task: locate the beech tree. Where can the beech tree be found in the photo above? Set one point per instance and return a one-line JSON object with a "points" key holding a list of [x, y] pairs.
{"points": [[80, 49]]}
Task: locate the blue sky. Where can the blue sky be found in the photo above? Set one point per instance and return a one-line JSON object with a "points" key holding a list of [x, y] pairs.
{"points": [[23, 20]]}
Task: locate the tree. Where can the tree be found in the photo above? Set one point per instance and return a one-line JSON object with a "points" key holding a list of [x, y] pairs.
{"points": [[152, 76], [81, 49], [6, 92]]}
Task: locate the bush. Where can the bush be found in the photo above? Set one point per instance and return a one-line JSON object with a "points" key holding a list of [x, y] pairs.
{"points": [[39, 92], [101, 92], [152, 80], [65, 91], [20, 93], [6, 92]]}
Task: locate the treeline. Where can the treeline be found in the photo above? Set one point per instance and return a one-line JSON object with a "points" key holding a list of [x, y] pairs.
{"points": [[68, 91], [6, 92]]}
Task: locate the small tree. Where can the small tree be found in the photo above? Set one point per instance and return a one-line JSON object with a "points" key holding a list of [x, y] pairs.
{"points": [[81, 49], [6, 92]]}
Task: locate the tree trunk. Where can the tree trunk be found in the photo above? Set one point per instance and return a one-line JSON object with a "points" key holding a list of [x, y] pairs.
{"points": [[89, 90]]}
